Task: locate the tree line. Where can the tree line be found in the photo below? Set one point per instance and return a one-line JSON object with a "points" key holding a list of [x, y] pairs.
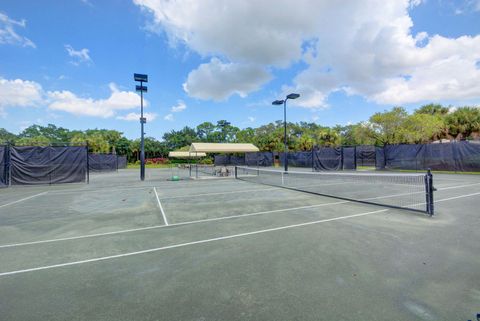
{"points": [[395, 126]]}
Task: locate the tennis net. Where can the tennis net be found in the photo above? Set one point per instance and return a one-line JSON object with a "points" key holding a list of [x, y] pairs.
{"points": [[400, 190]]}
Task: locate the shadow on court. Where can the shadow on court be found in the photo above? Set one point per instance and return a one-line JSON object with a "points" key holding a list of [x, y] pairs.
{"points": [[224, 249]]}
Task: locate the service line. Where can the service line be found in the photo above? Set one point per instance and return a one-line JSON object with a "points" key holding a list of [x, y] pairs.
{"points": [[221, 238], [23, 199]]}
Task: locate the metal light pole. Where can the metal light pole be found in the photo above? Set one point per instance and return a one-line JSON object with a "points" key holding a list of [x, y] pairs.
{"points": [[284, 102], [141, 78]]}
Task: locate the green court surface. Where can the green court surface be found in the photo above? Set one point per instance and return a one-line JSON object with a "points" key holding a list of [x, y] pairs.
{"points": [[225, 249]]}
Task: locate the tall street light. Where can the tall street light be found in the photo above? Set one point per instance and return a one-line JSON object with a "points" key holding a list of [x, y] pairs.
{"points": [[284, 102], [141, 78]]}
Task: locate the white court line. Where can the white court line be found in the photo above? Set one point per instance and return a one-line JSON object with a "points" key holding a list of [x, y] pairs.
{"points": [[174, 224], [161, 208], [455, 197], [23, 199], [221, 193], [455, 186], [104, 258], [200, 221]]}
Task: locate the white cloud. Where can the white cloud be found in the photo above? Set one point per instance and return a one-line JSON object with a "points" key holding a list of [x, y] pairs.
{"points": [[218, 81], [19, 93], [78, 56], [363, 48], [136, 117], [24, 93], [251, 119], [168, 117], [476, 5], [8, 35], [179, 107], [71, 103]]}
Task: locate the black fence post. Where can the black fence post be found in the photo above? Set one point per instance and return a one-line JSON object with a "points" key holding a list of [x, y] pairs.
{"points": [[341, 158], [8, 169], [355, 157], [88, 165]]}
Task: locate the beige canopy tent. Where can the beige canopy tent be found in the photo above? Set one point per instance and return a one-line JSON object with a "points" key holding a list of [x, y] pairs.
{"points": [[222, 148], [183, 154]]}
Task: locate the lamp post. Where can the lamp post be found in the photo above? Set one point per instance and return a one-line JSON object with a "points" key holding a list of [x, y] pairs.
{"points": [[284, 102], [141, 78]]}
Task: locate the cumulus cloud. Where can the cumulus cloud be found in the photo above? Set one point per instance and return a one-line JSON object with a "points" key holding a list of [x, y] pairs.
{"points": [[251, 119], [25, 93], [218, 81], [136, 117], [8, 35], [362, 48], [168, 117], [78, 56], [19, 93], [179, 107], [71, 103]]}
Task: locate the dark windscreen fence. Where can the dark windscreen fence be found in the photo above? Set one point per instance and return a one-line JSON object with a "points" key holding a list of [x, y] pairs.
{"points": [[404, 156], [259, 159], [47, 165], [3, 166], [349, 158], [299, 159], [455, 156], [327, 159], [122, 162], [365, 155], [102, 162], [221, 160], [468, 156], [379, 158]]}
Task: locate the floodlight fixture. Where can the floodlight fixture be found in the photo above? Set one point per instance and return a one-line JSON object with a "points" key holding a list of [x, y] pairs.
{"points": [[141, 88], [293, 96], [140, 77]]}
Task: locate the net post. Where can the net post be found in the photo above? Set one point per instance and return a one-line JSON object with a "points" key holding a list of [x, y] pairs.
{"points": [[430, 192], [236, 172]]}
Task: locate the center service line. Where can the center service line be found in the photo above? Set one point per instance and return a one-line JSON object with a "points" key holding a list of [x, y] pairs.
{"points": [[160, 205]]}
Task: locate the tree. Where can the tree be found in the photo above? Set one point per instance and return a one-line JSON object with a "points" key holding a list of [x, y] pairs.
{"points": [[177, 139], [205, 131], [53, 133], [246, 135], [386, 127], [432, 109], [6, 136], [33, 141], [463, 122], [422, 128], [96, 142]]}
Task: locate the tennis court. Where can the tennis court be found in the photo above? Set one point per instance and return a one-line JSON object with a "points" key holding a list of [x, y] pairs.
{"points": [[232, 249]]}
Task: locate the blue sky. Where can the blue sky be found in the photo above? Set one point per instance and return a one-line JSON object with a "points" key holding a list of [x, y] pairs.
{"points": [[71, 63]]}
